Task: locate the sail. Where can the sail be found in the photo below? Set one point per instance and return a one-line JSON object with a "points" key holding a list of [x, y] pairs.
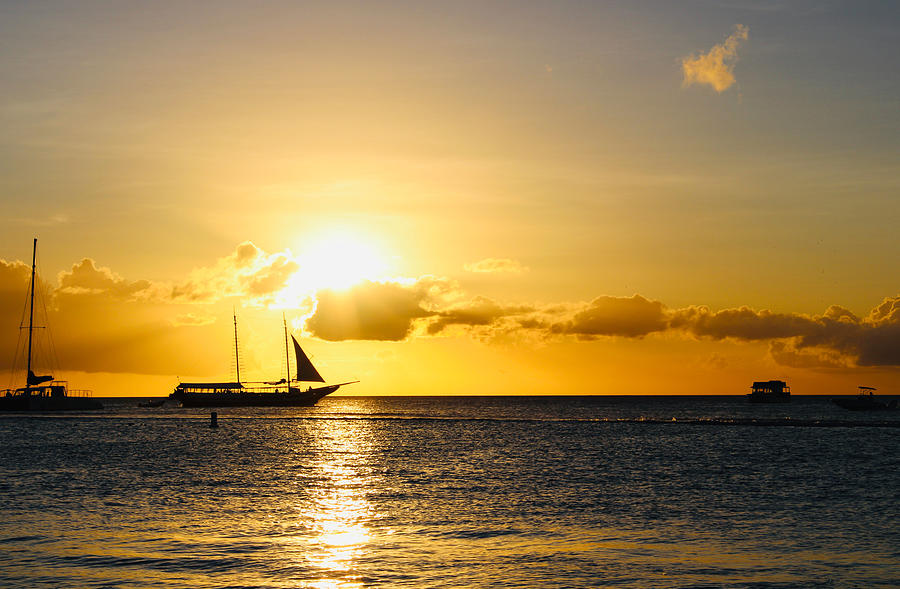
{"points": [[34, 379], [305, 370]]}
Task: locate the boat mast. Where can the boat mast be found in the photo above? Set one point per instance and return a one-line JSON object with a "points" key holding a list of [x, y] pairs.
{"points": [[31, 312], [287, 356], [237, 360]]}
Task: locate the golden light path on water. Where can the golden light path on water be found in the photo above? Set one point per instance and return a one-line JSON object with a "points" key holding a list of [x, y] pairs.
{"points": [[339, 513]]}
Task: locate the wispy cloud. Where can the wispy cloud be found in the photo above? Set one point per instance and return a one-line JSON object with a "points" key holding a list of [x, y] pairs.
{"points": [[480, 311], [715, 67], [192, 319], [496, 266], [49, 221]]}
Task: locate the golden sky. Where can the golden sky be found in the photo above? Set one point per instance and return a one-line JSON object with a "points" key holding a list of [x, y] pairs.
{"points": [[457, 198]]}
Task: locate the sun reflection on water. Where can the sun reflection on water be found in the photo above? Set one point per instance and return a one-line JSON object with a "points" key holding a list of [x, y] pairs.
{"points": [[339, 514]]}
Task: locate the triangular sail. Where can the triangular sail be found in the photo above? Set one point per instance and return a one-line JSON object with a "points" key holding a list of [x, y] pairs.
{"points": [[34, 379], [305, 370]]}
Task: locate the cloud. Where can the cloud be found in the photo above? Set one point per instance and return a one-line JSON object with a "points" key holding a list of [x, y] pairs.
{"points": [[716, 67], [270, 277], [742, 323], [104, 332], [368, 311], [14, 277], [835, 338], [193, 319], [786, 353], [51, 221], [480, 311], [105, 322], [887, 313], [245, 254], [86, 277], [247, 272], [392, 311], [616, 316], [496, 266]]}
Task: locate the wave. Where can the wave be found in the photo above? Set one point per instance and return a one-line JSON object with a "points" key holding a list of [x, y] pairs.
{"points": [[825, 422]]}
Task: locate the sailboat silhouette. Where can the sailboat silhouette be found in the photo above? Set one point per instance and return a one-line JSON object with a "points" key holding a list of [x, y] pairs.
{"points": [[43, 392], [285, 392]]}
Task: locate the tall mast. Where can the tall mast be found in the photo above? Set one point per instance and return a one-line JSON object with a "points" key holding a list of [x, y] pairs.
{"points": [[287, 356], [31, 312], [237, 360]]}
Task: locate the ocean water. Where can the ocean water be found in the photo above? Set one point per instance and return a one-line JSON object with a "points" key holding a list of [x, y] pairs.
{"points": [[454, 492]]}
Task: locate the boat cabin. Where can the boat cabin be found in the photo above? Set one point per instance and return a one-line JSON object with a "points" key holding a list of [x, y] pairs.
{"points": [[866, 391], [770, 387], [55, 389]]}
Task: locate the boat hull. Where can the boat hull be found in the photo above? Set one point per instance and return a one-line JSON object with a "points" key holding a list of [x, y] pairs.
{"points": [[34, 403], [294, 398], [864, 404], [769, 398]]}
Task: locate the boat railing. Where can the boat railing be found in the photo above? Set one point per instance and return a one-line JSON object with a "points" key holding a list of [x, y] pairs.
{"points": [[46, 390], [70, 392], [80, 393], [265, 389]]}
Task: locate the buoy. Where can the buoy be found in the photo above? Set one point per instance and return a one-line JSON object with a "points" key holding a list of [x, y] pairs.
{"points": [[213, 419]]}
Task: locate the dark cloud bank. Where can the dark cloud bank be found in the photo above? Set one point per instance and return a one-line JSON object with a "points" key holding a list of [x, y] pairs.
{"points": [[392, 311]]}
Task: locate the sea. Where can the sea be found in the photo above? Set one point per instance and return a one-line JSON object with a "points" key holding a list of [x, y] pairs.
{"points": [[604, 491]]}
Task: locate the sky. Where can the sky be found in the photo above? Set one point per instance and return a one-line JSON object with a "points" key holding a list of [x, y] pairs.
{"points": [[455, 197]]}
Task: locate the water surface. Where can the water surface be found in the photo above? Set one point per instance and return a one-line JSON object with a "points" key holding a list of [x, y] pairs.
{"points": [[462, 492]]}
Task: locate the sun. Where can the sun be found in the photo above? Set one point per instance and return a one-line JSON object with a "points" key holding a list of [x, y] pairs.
{"points": [[337, 260]]}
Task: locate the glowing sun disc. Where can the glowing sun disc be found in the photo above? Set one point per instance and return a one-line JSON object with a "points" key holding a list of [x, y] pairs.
{"points": [[338, 261]]}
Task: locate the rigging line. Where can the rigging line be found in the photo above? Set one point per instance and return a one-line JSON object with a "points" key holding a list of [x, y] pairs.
{"points": [[44, 350], [287, 356], [31, 309], [20, 347], [15, 365], [53, 357], [237, 356]]}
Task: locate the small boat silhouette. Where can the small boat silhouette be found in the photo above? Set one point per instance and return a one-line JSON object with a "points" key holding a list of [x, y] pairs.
{"points": [[864, 401], [769, 391]]}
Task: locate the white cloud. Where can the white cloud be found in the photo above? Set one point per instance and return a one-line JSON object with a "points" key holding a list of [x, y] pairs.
{"points": [[715, 68]]}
